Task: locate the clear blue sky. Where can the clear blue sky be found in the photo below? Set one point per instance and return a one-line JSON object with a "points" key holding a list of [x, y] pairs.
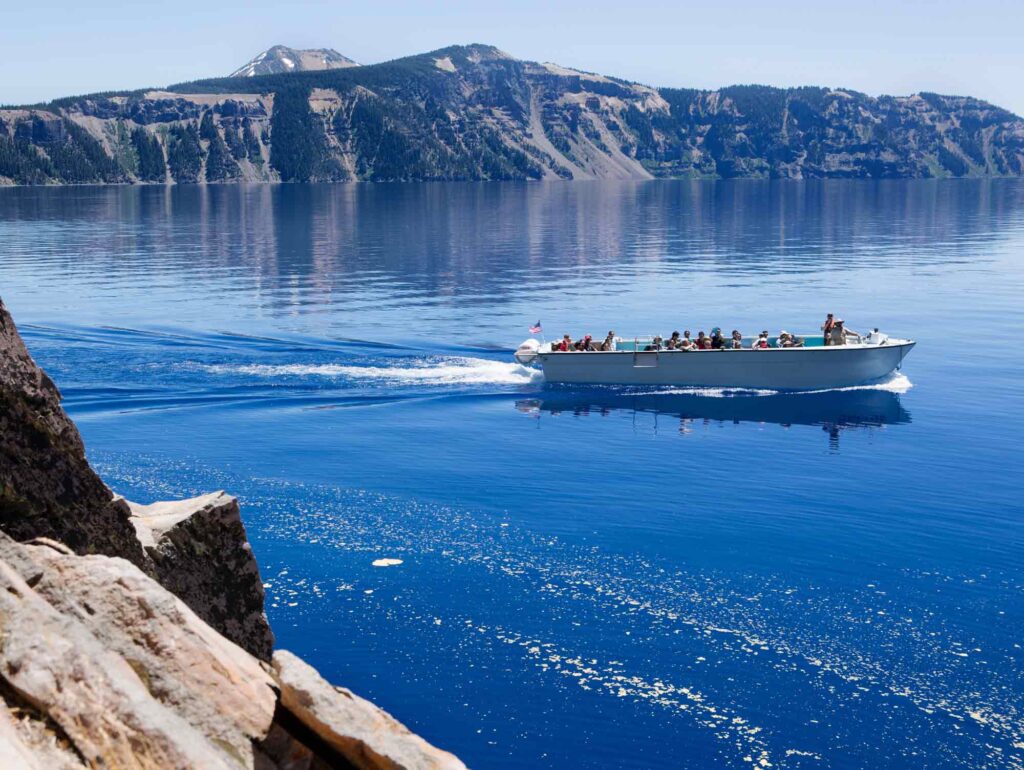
{"points": [[61, 47]]}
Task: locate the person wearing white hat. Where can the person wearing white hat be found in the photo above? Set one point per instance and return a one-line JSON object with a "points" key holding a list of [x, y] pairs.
{"points": [[840, 333]]}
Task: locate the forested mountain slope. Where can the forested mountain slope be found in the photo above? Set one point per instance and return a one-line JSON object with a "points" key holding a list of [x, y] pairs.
{"points": [[475, 113]]}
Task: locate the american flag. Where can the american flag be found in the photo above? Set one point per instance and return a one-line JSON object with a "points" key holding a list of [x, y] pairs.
{"points": [[536, 328]]}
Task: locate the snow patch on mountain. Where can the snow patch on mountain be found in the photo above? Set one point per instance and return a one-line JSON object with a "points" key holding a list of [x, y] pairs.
{"points": [[283, 59]]}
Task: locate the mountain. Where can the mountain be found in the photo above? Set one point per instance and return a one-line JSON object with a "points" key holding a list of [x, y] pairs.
{"points": [[283, 59], [474, 112]]}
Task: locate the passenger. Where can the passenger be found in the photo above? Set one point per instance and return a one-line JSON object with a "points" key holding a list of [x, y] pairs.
{"points": [[565, 345], [609, 342], [737, 340], [583, 345], [761, 343], [827, 328], [798, 342], [840, 333], [703, 341], [686, 343], [655, 345], [717, 340], [785, 340], [672, 342]]}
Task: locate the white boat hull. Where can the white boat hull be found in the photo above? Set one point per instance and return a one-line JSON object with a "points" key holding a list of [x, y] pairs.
{"points": [[776, 368]]}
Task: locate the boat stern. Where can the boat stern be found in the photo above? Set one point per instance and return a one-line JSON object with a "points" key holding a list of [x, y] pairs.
{"points": [[526, 354]]}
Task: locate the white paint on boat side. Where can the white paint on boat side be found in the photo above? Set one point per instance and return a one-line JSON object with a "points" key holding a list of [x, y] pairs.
{"points": [[819, 368]]}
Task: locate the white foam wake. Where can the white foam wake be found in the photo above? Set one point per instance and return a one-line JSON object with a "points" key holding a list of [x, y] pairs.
{"points": [[445, 371], [713, 392], [897, 383]]}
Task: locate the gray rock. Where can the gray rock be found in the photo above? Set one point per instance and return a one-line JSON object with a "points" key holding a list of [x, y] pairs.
{"points": [[200, 552], [42, 129], [47, 488], [106, 668], [85, 651], [280, 58], [364, 735]]}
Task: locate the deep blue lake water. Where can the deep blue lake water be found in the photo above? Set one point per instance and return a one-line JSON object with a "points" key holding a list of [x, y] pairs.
{"points": [[595, 577]]}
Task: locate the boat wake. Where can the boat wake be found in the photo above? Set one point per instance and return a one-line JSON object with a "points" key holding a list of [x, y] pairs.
{"points": [[711, 392], [898, 383], [463, 370], [435, 371]]}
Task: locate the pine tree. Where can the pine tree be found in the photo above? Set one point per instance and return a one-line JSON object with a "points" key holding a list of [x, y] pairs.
{"points": [[23, 163], [184, 154], [81, 158], [234, 142], [207, 130], [298, 145], [151, 167], [220, 166]]}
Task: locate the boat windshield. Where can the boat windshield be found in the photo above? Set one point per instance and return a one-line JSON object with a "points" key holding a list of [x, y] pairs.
{"points": [[639, 344]]}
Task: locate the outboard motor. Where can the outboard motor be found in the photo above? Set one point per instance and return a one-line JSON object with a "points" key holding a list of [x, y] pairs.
{"points": [[526, 353], [877, 338]]}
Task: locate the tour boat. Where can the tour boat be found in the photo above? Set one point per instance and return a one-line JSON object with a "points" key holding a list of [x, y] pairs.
{"points": [[810, 367]]}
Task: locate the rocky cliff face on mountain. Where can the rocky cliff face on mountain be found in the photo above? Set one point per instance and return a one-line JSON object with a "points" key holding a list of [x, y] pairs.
{"points": [[280, 58], [474, 112], [134, 636]]}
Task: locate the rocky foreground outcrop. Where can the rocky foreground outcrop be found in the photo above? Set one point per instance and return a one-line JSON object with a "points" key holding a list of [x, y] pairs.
{"points": [[47, 488], [199, 551], [150, 651]]}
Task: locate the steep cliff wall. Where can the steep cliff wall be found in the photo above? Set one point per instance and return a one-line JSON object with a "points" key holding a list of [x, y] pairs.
{"points": [[474, 112], [47, 488]]}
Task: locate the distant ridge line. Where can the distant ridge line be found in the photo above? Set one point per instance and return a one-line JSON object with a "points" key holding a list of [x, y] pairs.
{"points": [[473, 112]]}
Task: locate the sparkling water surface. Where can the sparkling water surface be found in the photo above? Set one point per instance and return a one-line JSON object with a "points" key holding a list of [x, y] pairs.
{"points": [[590, 577]]}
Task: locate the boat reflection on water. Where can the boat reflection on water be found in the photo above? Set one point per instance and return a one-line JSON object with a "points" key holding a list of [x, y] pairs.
{"points": [[834, 411]]}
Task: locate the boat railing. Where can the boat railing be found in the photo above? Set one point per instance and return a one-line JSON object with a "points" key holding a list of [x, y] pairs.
{"points": [[637, 345]]}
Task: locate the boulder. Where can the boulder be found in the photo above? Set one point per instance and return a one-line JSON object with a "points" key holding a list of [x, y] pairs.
{"points": [[101, 666], [47, 488], [332, 719], [199, 550], [122, 670]]}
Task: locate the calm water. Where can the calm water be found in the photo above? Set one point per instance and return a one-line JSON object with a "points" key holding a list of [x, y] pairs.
{"points": [[591, 578]]}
